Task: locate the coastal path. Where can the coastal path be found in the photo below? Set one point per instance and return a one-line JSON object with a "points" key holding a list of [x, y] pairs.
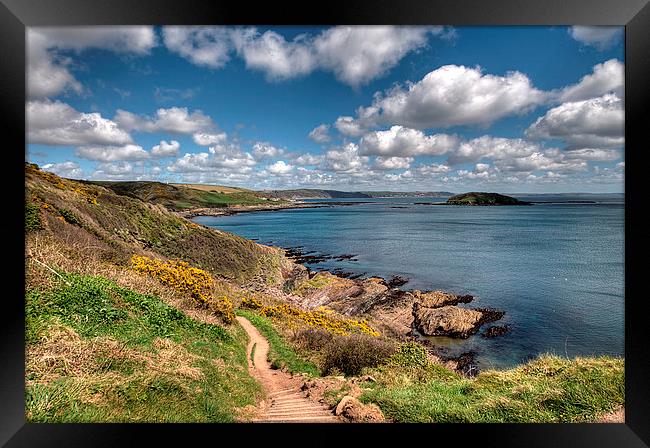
{"points": [[285, 402]]}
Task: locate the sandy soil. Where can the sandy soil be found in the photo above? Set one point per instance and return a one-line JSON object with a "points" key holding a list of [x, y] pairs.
{"points": [[617, 416]]}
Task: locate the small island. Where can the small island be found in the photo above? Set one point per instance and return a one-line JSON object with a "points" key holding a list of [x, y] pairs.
{"points": [[480, 198]]}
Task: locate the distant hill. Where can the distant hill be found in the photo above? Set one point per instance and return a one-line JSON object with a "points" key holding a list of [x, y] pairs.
{"points": [[212, 188], [312, 193], [408, 194], [180, 197], [481, 198]]}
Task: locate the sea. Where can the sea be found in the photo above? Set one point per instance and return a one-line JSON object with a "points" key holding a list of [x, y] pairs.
{"points": [[556, 268]]}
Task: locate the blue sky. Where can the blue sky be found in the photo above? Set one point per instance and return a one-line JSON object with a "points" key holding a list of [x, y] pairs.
{"points": [[509, 109]]}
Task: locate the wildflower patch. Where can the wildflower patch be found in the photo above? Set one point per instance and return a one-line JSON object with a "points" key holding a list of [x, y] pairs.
{"points": [[320, 318], [187, 280]]}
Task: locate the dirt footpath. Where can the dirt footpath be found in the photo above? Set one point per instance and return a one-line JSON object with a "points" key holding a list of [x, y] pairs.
{"points": [[285, 402]]}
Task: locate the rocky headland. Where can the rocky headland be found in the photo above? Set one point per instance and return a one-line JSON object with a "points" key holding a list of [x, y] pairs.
{"points": [[397, 312]]}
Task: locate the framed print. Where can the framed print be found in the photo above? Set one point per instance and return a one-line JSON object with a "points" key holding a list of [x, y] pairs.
{"points": [[240, 218]]}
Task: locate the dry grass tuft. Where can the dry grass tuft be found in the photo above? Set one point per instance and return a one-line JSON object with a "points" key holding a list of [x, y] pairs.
{"points": [[63, 353]]}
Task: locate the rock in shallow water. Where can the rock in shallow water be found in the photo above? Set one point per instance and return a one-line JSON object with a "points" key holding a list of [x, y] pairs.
{"points": [[446, 321], [496, 330], [437, 299], [396, 281]]}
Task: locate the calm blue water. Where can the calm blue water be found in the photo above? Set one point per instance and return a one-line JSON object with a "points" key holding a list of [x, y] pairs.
{"points": [[556, 269]]}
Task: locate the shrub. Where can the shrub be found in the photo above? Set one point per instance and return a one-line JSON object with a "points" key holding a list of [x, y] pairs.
{"points": [[222, 306], [410, 354], [193, 282], [251, 303], [312, 338], [187, 280], [32, 217], [70, 217], [351, 354], [320, 318]]}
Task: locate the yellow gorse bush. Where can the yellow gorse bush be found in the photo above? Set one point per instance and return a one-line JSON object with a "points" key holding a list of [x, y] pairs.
{"points": [[320, 317], [252, 303], [89, 195], [187, 280]]}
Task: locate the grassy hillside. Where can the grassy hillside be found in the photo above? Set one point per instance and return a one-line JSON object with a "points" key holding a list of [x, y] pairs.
{"points": [[119, 225], [98, 352], [212, 188], [549, 389], [181, 197], [119, 328], [312, 193], [408, 386]]}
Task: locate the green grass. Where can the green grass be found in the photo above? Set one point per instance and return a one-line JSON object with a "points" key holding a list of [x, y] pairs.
{"points": [[253, 353], [32, 217], [70, 217], [318, 281], [119, 356], [281, 355], [212, 199], [548, 389]]}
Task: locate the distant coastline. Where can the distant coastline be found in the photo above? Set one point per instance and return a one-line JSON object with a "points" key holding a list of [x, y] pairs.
{"points": [[236, 209], [315, 203]]}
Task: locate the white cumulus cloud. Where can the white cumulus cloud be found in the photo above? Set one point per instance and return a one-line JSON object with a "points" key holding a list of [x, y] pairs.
{"points": [[165, 149], [320, 134], [239, 163], [399, 141], [359, 54], [392, 163], [601, 37], [112, 153], [593, 123], [67, 169], [280, 167], [262, 150], [57, 123], [347, 125], [608, 77], [494, 148], [345, 159], [307, 159], [113, 169], [208, 139], [354, 54], [175, 120], [48, 72], [278, 58], [448, 96], [203, 45]]}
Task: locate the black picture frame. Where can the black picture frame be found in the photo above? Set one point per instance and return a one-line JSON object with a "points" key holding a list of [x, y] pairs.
{"points": [[15, 15]]}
